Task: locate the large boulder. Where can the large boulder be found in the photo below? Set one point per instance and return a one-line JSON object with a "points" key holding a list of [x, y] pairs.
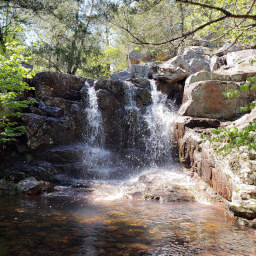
{"points": [[121, 75], [134, 71], [192, 60], [45, 131], [241, 57], [135, 57], [53, 84], [219, 75], [203, 95], [197, 59], [107, 101], [117, 88]]}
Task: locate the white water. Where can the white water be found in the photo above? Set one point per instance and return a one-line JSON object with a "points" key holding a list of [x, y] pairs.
{"points": [[114, 176], [95, 132], [160, 117]]}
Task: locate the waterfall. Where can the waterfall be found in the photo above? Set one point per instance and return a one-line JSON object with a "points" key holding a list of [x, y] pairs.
{"points": [[94, 134], [146, 134], [159, 117]]}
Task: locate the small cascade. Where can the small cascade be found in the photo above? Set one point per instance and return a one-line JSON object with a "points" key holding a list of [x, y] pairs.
{"points": [[94, 134], [159, 118]]}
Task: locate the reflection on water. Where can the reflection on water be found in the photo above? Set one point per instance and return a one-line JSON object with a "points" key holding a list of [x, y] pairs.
{"points": [[52, 226]]}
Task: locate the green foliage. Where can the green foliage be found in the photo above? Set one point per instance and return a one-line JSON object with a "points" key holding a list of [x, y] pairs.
{"points": [[106, 61], [12, 85], [229, 138]]}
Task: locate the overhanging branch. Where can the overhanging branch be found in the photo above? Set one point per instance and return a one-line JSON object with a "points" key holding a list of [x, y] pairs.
{"points": [[224, 11], [139, 41]]}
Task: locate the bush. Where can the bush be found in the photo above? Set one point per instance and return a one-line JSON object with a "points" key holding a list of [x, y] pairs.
{"points": [[12, 85]]}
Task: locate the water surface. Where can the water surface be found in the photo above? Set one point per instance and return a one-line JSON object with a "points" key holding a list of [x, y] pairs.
{"points": [[62, 226]]}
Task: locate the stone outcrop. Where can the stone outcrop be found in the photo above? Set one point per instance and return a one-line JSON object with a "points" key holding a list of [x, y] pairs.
{"points": [[205, 99], [232, 176], [204, 95]]}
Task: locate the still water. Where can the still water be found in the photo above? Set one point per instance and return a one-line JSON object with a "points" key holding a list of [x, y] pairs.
{"points": [[64, 226]]}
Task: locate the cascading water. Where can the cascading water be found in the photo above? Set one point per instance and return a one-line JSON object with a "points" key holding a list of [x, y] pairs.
{"points": [[159, 117], [94, 134], [96, 158], [147, 134]]}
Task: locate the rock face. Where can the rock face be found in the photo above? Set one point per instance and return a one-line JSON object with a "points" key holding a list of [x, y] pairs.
{"points": [[57, 117], [204, 106], [230, 176], [204, 95], [206, 99]]}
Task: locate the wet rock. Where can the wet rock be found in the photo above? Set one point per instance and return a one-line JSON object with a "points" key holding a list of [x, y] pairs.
{"points": [[44, 131], [141, 83], [174, 91], [142, 97], [230, 176], [62, 154], [61, 179], [84, 94], [50, 111], [53, 84], [116, 88], [107, 101], [80, 185], [245, 210], [5, 187], [65, 105], [30, 186]]}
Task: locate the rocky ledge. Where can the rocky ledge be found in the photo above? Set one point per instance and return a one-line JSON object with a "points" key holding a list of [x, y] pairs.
{"points": [[232, 175]]}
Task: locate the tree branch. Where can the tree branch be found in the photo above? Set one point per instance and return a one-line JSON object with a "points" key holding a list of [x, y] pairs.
{"points": [[183, 36], [224, 11]]}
